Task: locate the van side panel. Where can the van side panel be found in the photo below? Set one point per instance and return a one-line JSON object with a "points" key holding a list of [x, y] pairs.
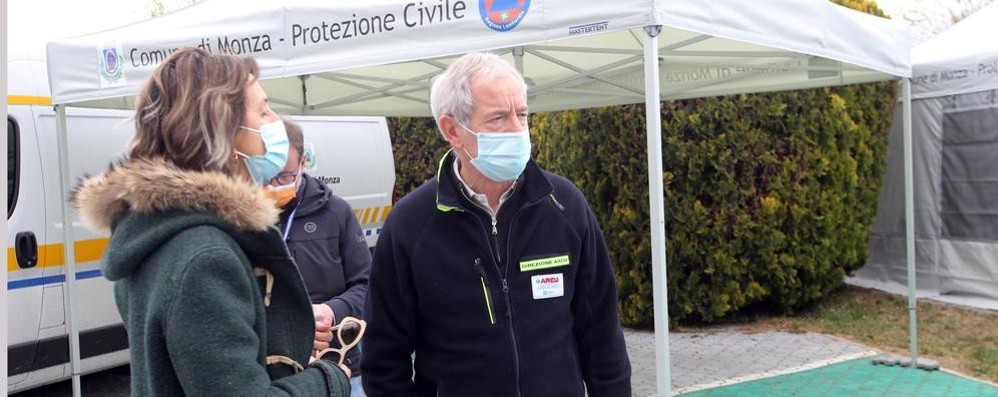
{"points": [[96, 138], [24, 293]]}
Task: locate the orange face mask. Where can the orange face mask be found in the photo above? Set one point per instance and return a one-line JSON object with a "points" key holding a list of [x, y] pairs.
{"points": [[282, 194]]}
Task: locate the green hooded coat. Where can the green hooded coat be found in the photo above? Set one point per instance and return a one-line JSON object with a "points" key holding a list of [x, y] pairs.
{"points": [[212, 302]]}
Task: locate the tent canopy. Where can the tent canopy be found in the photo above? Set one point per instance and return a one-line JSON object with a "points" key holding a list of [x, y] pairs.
{"points": [[377, 58], [959, 60]]}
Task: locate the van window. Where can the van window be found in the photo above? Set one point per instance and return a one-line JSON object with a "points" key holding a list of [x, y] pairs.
{"points": [[13, 160]]}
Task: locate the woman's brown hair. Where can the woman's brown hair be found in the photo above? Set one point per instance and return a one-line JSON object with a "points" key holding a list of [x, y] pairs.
{"points": [[190, 109]]}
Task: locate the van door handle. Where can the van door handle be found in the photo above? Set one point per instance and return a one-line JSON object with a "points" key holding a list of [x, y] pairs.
{"points": [[26, 250]]}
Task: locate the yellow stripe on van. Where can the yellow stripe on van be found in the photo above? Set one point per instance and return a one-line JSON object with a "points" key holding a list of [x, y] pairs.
{"points": [[11, 260], [28, 100], [90, 250], [371, 214], [52, 255]]}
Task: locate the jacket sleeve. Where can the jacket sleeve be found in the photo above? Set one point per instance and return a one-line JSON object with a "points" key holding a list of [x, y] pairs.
{"points": [[356, 267], [606, 369], [390, 310], [212, 345]]}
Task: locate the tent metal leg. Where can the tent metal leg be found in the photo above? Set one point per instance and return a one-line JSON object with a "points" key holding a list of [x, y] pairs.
{"points": [[518, 59], [656, 199], [67, 238], [909, 217]]}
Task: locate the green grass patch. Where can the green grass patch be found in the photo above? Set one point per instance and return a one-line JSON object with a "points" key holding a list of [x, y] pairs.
{"points": [[962, 339]]}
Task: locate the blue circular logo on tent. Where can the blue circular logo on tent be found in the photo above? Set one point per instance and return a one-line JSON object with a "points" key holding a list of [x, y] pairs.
{"points": [[502, 15]]}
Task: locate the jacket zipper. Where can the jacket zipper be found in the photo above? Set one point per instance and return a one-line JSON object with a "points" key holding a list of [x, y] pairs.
{"points": [[494, 216], [505, 294], [495, 237], [485, 290], [512, 334], [502, 277], [505, 289]]}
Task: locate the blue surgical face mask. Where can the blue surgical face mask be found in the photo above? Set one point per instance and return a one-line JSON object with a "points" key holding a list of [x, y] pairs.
{"points": [[275, 140], [502, 156]]}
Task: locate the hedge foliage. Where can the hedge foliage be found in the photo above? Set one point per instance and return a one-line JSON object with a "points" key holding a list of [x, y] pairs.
{"points": [[417, 147], [769, 197]]}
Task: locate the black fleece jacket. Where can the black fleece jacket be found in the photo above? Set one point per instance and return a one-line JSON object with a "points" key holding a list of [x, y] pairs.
{"points": [[521, 305]]}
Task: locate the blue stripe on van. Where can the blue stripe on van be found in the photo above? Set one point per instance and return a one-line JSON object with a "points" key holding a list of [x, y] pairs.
{"points": [[59, 278], [34, 282], [88, 274]]}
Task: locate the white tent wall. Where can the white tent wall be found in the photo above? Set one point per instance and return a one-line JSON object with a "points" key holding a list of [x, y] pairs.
{"points": [[955, 114], [574, 54]]}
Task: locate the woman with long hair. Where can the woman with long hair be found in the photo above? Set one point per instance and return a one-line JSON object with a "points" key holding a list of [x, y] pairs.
{"points": [[212, 302]]}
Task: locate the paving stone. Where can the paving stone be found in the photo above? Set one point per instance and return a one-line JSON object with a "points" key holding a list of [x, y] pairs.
{"points": [[702, 358], [927, 363]]}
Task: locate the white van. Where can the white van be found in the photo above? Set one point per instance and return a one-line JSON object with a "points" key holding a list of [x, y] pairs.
{"points": [[353, 156]]}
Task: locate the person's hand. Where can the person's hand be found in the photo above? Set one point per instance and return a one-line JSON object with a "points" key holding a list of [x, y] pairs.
{"points": [[323, 335], [322, 313]]}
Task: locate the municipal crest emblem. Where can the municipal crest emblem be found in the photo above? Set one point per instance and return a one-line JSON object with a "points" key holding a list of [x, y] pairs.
{"points": [[111, 65], [310, 161], [502, 15]]}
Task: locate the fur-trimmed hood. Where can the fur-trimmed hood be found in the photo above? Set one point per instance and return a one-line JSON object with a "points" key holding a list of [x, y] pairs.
{"points": [[156, 185]]}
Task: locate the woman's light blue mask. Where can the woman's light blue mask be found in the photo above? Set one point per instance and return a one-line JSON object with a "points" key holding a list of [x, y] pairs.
{"points": [[266, 166], [502, 156]]}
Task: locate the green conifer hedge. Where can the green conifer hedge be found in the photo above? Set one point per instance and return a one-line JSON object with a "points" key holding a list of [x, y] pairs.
{"points": [[769, 197]]}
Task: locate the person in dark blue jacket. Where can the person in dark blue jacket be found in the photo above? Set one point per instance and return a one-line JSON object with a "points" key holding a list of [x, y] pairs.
{"points": [[325, 239], [493, 278]]}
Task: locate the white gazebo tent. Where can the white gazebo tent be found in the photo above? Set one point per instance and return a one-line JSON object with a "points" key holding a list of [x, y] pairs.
{"points": [[377, 58], [955, 98]]}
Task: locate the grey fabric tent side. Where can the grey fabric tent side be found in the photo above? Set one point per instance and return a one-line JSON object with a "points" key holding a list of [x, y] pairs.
{"points": [[955, 126]]}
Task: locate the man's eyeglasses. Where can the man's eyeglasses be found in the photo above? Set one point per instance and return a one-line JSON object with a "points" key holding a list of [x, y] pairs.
{"points": [[284, 178], [347, 333]]}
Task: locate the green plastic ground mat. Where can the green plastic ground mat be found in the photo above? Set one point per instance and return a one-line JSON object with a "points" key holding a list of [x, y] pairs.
{"points": [[856, 378]]}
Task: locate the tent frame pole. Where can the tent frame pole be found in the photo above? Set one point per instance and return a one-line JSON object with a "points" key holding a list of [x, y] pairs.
{"points": [[68, 249], [656, 201], [4, 316], [909, 217]]}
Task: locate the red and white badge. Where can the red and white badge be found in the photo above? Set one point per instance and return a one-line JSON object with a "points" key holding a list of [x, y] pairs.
{"points": [[548, 285]]}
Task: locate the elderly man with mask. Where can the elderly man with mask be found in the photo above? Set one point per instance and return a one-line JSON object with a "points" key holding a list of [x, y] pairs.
{"points": [[493, 278]]}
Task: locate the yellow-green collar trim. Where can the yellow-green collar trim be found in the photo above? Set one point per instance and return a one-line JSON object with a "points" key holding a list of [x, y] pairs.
{"points": [[440, 167]]}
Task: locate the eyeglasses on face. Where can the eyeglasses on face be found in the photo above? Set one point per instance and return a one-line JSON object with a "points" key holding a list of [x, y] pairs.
{"points": [[284, 178]]}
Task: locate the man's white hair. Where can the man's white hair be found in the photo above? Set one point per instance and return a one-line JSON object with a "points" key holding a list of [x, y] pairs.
{"points": [[451, 91]]}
